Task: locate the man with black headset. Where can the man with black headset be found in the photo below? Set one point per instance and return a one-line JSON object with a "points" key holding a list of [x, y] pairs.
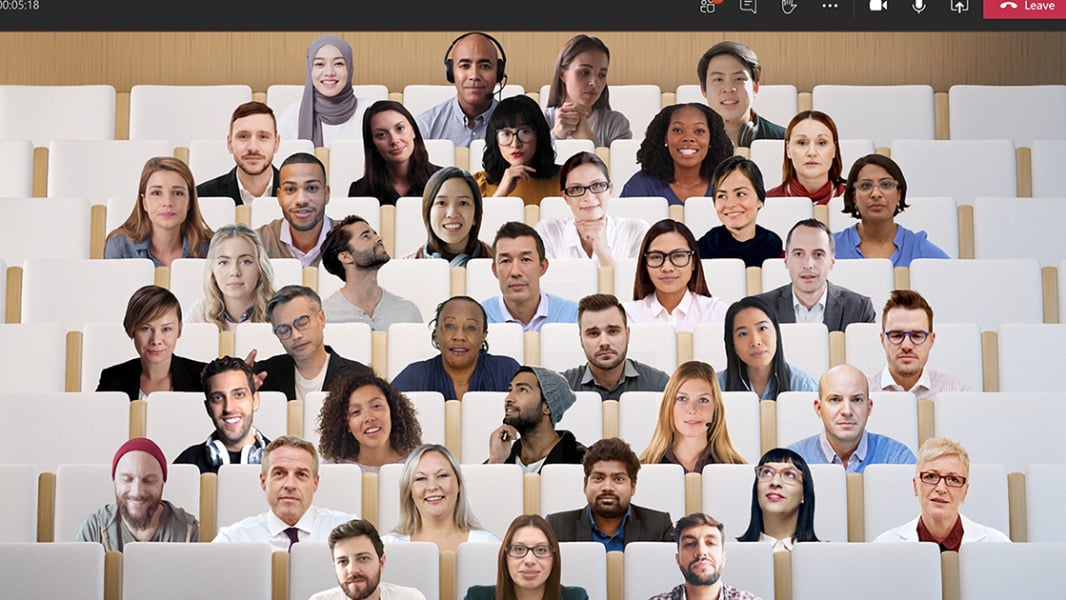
{"points": [[473, 65]]}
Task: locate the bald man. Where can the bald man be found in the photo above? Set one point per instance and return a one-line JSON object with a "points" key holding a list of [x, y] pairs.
{"points": [[844, 405]]}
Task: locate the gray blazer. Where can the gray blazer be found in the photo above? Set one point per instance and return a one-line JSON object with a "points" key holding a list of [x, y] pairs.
{"points": [[842, 306]]}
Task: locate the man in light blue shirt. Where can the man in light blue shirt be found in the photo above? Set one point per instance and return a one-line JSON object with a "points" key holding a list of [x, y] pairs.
{"points": [[518, 263], [472, 64], [844, 405]]}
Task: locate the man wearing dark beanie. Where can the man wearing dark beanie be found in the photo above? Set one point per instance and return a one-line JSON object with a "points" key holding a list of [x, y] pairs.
{"points": [[535, 403], [139, 513]]}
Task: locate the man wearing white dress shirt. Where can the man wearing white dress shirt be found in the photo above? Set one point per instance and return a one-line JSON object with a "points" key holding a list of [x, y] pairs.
{"points": [[289, 477]]}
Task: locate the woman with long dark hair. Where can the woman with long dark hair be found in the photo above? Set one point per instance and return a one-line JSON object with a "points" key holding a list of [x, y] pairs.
{"points": [[782, 501], [755, 355]]}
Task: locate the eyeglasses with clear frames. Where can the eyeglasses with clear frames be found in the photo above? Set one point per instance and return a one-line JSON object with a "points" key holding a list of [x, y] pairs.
{"points": [[866, 186], [896, 336], [678, 258], [933, 478], [505, 137], [520, 551], [284, 331], [788, 475], [596, 187]]}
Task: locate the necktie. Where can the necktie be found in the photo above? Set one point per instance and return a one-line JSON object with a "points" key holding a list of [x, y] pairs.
{"points": [[294, 536]]}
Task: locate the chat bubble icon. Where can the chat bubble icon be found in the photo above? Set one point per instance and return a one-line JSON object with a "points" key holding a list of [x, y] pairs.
{"points": [[748, 5]]}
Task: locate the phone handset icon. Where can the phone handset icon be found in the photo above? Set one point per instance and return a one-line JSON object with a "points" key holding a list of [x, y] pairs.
{"points": [[1008, 4]]}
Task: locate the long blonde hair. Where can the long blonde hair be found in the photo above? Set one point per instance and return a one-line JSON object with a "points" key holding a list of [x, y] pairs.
{"points": [[722, 450], [214, 306], [410, 519]]}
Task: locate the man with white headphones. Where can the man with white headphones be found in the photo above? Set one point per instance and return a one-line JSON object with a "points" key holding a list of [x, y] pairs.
{"points": [[472, 64], [231, 402]]}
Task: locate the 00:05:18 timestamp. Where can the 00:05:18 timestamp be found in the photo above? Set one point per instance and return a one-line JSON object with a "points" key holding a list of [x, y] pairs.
{"points": [[9, 5]]}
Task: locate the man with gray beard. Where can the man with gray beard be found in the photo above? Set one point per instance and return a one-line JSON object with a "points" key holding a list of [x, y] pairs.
{"points": [[610, 481], [139, 513], [354, 252]]}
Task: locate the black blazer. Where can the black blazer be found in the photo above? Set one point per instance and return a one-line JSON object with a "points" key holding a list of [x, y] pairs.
{"points": [[644, 525], [842, 306], [281, 372], [226, 185], [126, 377]]}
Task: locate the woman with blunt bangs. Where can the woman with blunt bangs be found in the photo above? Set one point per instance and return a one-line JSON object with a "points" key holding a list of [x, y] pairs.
{"points": [[452, 210], [519, 159], [366, 421], [165, 222], [433, 502], [782, 501], [238, 280], [691, 430], [812, 167], [396, 161], [681, 148], [579, 104], [755, 355], [528, 566]]}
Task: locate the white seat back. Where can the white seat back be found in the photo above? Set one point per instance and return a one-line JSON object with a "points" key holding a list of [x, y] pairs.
{"points": [[651, 568], [1048, 156], [1041, 240], [952, 285], [100, 169], [21, 504], [16, 168], [936, 215], [882, 113], [39, 365], [962, 169], [815, 572], [42, 113], [182, 113], [957, 351], [975, 112], [238, 570], [1044, 485], [29, 570]]}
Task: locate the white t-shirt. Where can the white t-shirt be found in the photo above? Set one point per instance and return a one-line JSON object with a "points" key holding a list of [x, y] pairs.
{"points": [[306, 386], [388, 591]]}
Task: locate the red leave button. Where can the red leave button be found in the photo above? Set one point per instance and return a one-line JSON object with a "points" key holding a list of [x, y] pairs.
{"points": [[1025, 9]]}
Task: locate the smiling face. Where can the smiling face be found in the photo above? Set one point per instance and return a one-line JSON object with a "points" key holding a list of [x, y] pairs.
{"points": [[357, 566], [694, 408], [811, 150], [474, 66], [369, 417], [688, 137], [231, 406], [844, 405], [235, 269], [253, 141], [155, 339], [329, 71], [754, 338], [588, 206], [435, 489], [809, 259], [876, 205], [138, 488], [460, 334], [737, 204], [166, 200], [303, 195], [701, 555], [394, 137], [289, 480], [586, 78], [782, 493], [668, 278], [940, 503], [452, 214], [529, 572], [604, 337], [730, 89]]}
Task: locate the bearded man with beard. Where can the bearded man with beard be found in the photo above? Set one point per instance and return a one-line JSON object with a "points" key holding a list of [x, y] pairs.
{"points": [[701, 556], [610, 481], [358, 561], [139, 513], [354, 252]]}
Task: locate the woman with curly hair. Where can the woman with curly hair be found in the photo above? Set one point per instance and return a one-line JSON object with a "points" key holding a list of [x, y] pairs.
{"points": [[366, 421], [681, 148]]}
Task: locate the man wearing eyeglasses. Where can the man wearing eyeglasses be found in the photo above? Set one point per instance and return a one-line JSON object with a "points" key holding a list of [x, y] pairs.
{"points": [[941, 483], [844, 405], [308, 365], [907, 335]]}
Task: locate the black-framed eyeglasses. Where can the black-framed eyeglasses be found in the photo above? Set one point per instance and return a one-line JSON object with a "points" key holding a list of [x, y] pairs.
{"points": [[866, 186], [788, 474], [678, 258], [896, 336], [505, 137], [933, 478], [520, 551], [596, 187], [284, 331]]}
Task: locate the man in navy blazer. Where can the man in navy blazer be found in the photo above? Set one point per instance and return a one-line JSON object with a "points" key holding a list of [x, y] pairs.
{"points": [[609, 518], [811, 298], [253, 140]]}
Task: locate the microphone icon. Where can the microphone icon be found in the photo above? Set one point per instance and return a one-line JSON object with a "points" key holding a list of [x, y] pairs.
{"points": [[918, 6]]}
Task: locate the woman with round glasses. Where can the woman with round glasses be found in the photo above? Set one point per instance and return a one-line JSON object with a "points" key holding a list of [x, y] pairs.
{"points": [[782, 501], [519, 159], [875, 193], [591, 232], [529, 566], [755, 355], [941, 482], [669, 286], [812, 167], [691, 430], [738, 197]]}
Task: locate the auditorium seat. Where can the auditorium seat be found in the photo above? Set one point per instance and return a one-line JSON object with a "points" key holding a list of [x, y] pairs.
{"points": [[475, 564], [639, 103], [414, 564], [882, 113], [651, 567], [990, 571], [894, 414], [237, 570], [584, 565], [346, 164], [777, 102], [769, 155], [777, 214], [1028, 354], [873, 277], [280, 96], [209, 158], [498, 211], [48, 284], [1045, 485], [106, 344], [976, 112], [20, 504], [495, 494], [659, 487], [187, 277], [1042, 239], [182, 113], [42, 113], [30, 570], [951, 287], [564, 342], [880, 570], [16, 168], [1048, 156], [429, 407], [957, 350], [36, 357], [961, 169], [100, 169], [938, 216], [622, 162], [410, 228]]}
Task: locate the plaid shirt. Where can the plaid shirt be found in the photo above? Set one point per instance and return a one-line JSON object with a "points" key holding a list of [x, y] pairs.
{"points": [[727, 593]]}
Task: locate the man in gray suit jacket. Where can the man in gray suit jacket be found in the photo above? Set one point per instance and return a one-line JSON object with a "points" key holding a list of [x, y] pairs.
{"points": [[610, 481], [811, 298]]}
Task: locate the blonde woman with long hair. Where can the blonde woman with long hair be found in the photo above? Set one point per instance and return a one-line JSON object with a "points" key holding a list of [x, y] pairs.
{"points": [[691, 429], [238, 280]]}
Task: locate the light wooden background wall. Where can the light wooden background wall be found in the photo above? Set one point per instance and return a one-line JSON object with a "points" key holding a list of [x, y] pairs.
{"points": [[123, 59]]}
